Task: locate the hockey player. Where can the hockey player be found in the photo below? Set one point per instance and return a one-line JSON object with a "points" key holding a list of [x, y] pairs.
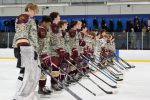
{"points": [[44, 53], [74, 38], [103, 46], [110, 46], [63, 24], [24, 40], [57, 51], [83, 48]]}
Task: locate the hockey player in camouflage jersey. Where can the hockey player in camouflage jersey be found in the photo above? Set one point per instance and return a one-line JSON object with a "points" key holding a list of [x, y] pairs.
{"points": [[44, 53], [83, 43], [74, 38], [57, 50], [110, 48], [25, 36], [63, 24]]}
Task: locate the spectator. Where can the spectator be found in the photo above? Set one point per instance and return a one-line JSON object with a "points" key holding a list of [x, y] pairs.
{"points": [[148, 35], [129, 25], [123, 37], [111, 25], [103, 23], [136, 21], [133, 36], [119, 26], [84, 22], [137, 28], [143, 23], [144, 29], [148, 22], [95, 23], [13, 24], [6, 24], [145, 37]]}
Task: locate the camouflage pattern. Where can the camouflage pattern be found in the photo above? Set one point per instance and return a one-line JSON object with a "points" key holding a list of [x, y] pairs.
{"points": [[65, 41], [93, 44], [100, 43], [111, 46], [43, 41], [83, 37], [88, 40], [74, 39], [55, 39], [25, 27]]}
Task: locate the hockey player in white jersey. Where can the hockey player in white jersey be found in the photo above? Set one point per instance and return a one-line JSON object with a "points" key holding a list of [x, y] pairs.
{"points": [[26, 51]]}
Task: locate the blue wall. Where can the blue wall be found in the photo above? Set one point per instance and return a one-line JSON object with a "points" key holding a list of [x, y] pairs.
{"points": [[89, 18]]}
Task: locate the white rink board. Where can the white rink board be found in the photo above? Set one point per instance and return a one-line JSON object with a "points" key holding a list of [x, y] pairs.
{"points": [[135, 54], [125, 54], [9, 53]]}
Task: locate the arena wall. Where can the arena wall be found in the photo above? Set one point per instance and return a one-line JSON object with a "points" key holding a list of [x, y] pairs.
{"points": [[128, 55]]}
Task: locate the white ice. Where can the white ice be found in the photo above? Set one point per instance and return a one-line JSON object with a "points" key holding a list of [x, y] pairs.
{"points": [[136, 85]]}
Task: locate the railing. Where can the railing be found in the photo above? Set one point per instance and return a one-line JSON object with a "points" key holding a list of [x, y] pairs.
{"points": [[132, 40], [123, 40], [6, 39]]}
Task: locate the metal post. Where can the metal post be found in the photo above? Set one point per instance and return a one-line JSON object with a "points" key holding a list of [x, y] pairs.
{"points": [[142, 41], [127, 40], [8, 41]]}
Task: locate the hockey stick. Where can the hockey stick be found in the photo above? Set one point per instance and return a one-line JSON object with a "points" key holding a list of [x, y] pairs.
{"points": [[120, 65], [92, 74], [95, 76], [99, 70], [109, 65], [74, 79], [110, 72], [66, 88], [108, 69], [109, 76], [103, 71], [125, 62]]}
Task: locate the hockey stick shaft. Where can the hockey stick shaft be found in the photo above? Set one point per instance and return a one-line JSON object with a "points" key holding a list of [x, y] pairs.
{"points": [[66, 88], [75, 80], [112, 73], [108, 74], [109, 65], [121, 65], [92, 74], [123, 61], [85, 59]]}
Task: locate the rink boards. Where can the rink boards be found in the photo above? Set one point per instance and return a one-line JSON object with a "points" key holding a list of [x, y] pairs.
{"points": [[128, 55]]}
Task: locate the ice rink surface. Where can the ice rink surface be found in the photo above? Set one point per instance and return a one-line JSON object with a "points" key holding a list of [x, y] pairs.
{"points": [[136, 84]]}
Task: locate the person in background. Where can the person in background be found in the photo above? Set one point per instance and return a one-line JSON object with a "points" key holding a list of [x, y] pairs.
{"points": [[84, 22], [129, 25], [133, 36], [119, 26], [95, 23], [111, 25]]}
